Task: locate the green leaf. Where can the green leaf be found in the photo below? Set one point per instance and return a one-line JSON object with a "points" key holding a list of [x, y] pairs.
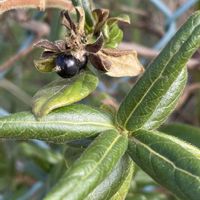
{"points": [[168, 160], [184, 132], [114, 36], [124, 187], [116, 183], [91, 168], [148, 92], [45, 64], [68, 123], [64, 92], [168, 102]]}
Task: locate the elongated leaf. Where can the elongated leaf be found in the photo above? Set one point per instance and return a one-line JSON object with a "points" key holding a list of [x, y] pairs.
{"points": [[68, 123], [91, 168], [170, 161], [119, 179], [64, 92], [168, 102], [184, 132], [148, 92], [124, 187]]}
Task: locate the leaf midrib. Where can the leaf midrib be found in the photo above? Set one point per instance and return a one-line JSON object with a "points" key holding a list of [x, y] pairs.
{"points": [[57, 122], [153, 152], [99, 162]]}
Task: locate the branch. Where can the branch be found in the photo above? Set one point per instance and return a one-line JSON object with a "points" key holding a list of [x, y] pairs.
{"points": [[16, 91], [16, 57], [150, 53], [7, 5]]}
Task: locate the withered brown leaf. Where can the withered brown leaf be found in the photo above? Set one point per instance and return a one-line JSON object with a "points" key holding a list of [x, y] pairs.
{"points": [[46, 44], [100, 15], [96, 46], [67, 21], [81, 19], [118, 63]]}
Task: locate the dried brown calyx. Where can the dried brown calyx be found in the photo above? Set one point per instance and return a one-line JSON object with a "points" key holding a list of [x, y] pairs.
{"points": [[94, 45]]}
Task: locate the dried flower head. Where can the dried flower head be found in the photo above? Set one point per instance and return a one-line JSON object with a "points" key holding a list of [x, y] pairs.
{"points": [[98, 46]]}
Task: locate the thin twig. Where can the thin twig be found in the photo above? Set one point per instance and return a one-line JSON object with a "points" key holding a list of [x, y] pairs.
{"points": [[6, 65], [151, 53], [7, 5]]}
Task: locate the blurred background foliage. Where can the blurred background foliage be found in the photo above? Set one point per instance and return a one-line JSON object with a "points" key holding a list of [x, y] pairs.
{"points": [[29, 169]]}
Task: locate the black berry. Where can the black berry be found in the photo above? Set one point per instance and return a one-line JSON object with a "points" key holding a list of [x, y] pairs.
{"points": [[67, 66]]}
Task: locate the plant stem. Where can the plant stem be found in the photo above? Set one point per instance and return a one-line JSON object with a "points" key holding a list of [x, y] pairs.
{"points": [[7, 5]]}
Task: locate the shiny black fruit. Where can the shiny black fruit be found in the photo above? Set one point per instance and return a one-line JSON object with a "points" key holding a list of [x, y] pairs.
{"points": [[67, 66]]}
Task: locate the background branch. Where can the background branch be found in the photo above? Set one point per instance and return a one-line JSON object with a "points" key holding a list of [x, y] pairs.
{"points": [[6, 65], [16, 91], [39, 4], [151, 53]]}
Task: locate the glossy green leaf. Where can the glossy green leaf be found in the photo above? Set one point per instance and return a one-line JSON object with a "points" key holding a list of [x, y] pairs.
{"points": [[96, 163], [168, 160], [124, 187], [116, 183], [63, 92], [168, 102], [68, 123], [184, 132], [148, 92]]}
